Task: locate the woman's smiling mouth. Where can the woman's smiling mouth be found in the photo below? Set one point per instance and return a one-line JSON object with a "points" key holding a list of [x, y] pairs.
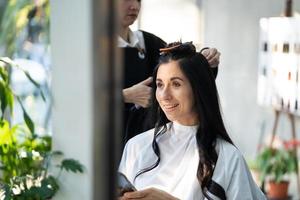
{"points": [[169, 108]]}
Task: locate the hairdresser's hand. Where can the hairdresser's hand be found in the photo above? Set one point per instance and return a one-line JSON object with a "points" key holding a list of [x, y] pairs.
{"points": [[212, 55], [139, 94], [148, 194]]}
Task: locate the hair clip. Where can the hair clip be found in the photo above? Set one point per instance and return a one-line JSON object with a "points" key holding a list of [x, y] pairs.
{"points": [[166, 49], [173, 46]]}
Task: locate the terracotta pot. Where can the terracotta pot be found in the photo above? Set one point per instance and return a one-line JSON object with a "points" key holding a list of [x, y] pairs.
{"points": [[278, 190]]}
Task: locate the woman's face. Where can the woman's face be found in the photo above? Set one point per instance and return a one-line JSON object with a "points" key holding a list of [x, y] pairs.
{"points": [[129, 11], [174, 94]]}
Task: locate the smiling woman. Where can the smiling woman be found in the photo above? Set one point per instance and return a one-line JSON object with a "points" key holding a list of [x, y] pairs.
{"points": [[174, 94], [190, 145]]}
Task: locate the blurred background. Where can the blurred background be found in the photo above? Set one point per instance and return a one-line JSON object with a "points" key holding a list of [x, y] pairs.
{"points": [[68, 50]]}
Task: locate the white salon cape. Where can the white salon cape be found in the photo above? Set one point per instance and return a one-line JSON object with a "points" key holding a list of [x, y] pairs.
{"points": [[176, 172]]}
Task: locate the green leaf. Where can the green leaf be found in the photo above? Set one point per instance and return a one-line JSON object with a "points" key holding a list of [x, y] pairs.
{"points": [[276, 163], [72, 165], [49, 187], [4, 74], [26, 117], [37, 85], [42, 144], [28, 122], [9, 99], [31, 79], [7, 61], [3, 101], [5, 192], [50, 180], [6, 135], [6, 94], [57, 153], [42, 95]]}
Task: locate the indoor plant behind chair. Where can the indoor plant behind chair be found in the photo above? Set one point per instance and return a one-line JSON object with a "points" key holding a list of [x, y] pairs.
{"points": [[275, 164]]}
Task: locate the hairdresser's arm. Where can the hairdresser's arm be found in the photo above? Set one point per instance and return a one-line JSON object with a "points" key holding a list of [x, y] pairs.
{"points": [[148, 194], [213, 57], [138, 94]]}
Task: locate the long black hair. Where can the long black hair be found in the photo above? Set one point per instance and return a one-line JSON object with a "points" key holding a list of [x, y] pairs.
{"points": [[197, 70]]}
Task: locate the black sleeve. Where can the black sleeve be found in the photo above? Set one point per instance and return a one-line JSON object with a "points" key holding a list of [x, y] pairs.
{"points": [[215, 71], [153, 44]]}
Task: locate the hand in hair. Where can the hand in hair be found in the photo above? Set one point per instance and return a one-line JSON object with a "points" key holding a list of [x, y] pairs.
{"points": [[212, 55], [139, 94], [148, 194]]}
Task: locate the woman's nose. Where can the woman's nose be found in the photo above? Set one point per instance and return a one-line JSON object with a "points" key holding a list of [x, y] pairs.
{"points": [[166, 94], [134, 5]]}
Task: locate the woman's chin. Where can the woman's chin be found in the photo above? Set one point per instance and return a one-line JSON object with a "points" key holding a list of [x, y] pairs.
{"points": [[170, 118]]}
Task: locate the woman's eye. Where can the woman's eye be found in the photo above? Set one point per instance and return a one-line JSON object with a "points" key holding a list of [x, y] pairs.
{"points": [[176, 84], [159, 85]]}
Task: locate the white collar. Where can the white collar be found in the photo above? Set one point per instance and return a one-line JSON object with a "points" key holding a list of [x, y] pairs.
{"points": [[136, 39], [182, 130]]}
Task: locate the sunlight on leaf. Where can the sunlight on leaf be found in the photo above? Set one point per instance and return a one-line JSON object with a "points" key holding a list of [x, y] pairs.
{"points": [[21, 19], [7, 60], [6, 136]]}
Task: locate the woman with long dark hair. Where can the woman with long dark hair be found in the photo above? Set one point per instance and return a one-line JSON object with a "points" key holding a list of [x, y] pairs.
{"points": [[141, 53], [188, 155]]}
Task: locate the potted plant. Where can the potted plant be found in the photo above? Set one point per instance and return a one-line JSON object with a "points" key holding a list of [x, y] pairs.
{"points": [[275, 164], [38, 183], [26, 158]]}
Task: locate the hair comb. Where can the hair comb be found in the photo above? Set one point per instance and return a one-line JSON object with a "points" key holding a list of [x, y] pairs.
{"points": [[176, 46], [170, 46]]}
